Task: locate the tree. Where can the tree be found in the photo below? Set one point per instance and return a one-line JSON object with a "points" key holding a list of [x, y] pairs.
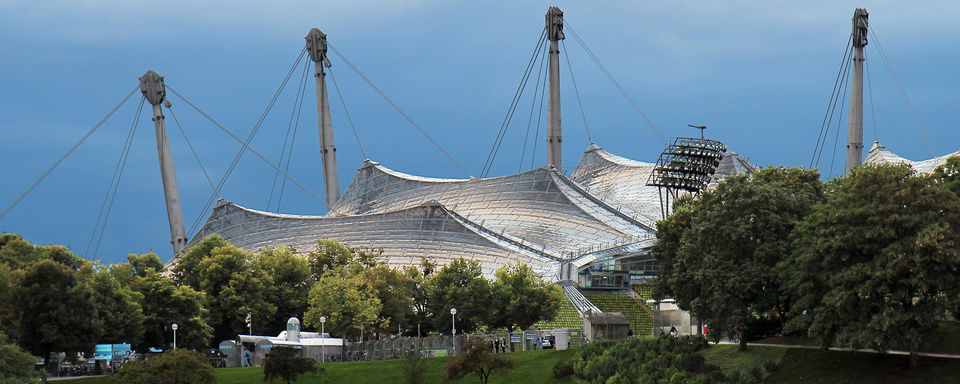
{"points": [[16, 252], [282, 363], [165, 303], [522, 298], [16, 366], [55, 310], [347, 302], [172, 367], [393, 289], [948, 174], [419, 289], [233, 284], [876, 265], [476, 358], [719, 252], [118, 310], [290, 277], [459, 285], [331, 255]]}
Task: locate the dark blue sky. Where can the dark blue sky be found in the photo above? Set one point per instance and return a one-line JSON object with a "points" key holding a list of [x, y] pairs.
{"points": [[758, 73]]}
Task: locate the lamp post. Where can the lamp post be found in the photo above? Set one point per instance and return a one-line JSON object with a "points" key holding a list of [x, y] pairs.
{"points": [[453, 323], [323, 340], [174, 327]]}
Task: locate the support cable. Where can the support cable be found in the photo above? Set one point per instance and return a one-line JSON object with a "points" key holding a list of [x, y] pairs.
{"points": [[873, 112], [495, 148], [533, 103], [293, 139], [65, 155], [613, 80], [838, 102], [825, 124], [836, 137], [249, 148], [576, 91], [343, 103], [903, 92], [192, 149], [124, 150], [543, 96], [397, 108], [297, 101], [253, 132]]}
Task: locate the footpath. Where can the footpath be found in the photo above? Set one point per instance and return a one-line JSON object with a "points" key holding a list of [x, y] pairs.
{"points": [[867, 350]]}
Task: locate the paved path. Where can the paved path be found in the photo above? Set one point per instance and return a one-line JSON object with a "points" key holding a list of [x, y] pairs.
{"points": [[891, 352]]}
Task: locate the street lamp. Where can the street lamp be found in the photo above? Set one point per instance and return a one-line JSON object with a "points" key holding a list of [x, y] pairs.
{"points": [[323, 341], [453, 323], [174, 326]]}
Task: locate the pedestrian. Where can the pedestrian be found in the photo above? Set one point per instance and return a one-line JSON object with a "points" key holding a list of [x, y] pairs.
{"points": [[673, 331], [599, 334], [629, 332]]}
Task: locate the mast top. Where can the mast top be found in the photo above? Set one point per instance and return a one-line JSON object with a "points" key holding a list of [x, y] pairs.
{"points": [[152, 87], [860, 24], [554, 24], [317, 46]]}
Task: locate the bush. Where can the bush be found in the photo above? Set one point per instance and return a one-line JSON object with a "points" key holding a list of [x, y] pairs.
{"points": [[415, 366], [16, 366], [563, 368], [476, 358], [283, 363], [172, 367]]}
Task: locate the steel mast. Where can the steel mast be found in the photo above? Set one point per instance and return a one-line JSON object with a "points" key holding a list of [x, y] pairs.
{"points": [[151, 84], [317, 48], [855, 125], [554, 132]]}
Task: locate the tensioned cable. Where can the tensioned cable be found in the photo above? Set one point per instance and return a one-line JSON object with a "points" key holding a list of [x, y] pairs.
{"points": [[501, 133], [249, 148], [192, 149], [397, 107], [116, 186], [576, 91], [902, 91], [343, 103], [613, 80], [821, 136], [294, 112], [533, 103], [836, 137], [253, 132], [873, 112], [536, 135], [124, 149], [838, 102], [65, 155], [296, 127]]}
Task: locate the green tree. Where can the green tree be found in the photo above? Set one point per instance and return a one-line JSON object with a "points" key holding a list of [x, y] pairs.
{"points": [[290, 276], [118, 309], [172, 367], [16, 252], [331, 255], [948, 174], [16, 365], [522, 298], [165, 303], [877, 264], [459, 285], [347, 302], [476, 358], [55, 310], [419, 288], [282, 363], [234, 285], [719, 252], [393, 289]]}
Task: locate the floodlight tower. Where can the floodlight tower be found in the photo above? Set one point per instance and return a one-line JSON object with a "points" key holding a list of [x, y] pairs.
{"points": [[554, 133], [855, 125], [151, 84], [317, 48]]}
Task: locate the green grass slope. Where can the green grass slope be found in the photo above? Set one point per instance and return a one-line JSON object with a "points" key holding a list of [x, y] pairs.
{"points": [[567, 317]]}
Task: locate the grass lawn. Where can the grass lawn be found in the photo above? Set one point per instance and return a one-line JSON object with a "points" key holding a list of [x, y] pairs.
{"points": [[730, 359], [531, 367], [816, 366]]}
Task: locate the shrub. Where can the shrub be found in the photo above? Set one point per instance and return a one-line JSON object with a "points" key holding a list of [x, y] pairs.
{"points": [[563, 368], [476, 358], [16, 366], [415, 366], [283, 363], [172, 367]]}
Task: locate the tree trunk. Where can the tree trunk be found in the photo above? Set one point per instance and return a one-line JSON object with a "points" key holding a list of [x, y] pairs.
{"points": [[914, 355], [743, 339]]}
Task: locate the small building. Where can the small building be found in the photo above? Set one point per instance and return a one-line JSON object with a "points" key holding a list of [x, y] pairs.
{"points": [[312, 345], [606, 325]]}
